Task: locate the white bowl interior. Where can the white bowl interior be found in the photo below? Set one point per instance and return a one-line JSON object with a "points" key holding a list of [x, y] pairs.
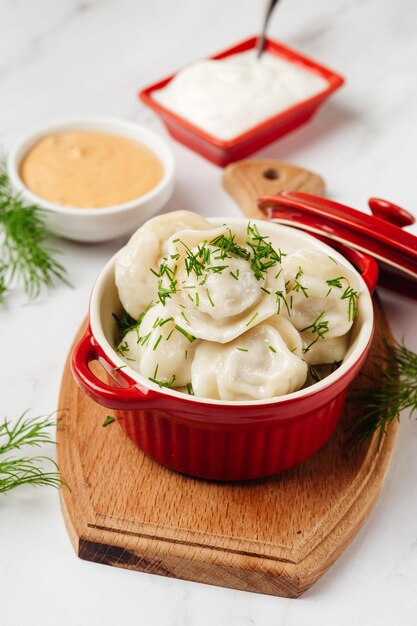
{"points": [[105, 301], [103, 124]]}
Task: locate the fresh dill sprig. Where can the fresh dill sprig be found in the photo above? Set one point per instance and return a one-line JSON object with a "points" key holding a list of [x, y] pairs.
{"points": [[26, 470], [394, 393], [24, 257]]}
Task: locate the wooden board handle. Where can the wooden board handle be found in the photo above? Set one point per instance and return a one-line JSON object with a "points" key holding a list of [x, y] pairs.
{"points": [[247, 180]]}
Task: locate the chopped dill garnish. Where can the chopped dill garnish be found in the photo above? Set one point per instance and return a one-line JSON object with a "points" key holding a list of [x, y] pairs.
{"points": [[254, 316], [126, 323], [190, 389], [109, 420], [264, 256], [352, 296], [242, 349], [181, 330], [161, 383], [272, 349], [144, 340], [162, 322], [167, 274], [335, 282], [123, 349], [217, 269], [299, 287], [157, 342], [281, 299], [206, 291], [319, 327], [235, 274], [228, 246], [185, 318]]}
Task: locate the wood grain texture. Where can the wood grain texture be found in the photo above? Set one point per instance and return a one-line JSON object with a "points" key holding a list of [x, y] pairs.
{"points": [[247, 180], [275, 536]]}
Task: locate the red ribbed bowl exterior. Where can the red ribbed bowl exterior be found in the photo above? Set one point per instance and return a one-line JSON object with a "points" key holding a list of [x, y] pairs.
{"points": [[231, 452], [213, 440]]}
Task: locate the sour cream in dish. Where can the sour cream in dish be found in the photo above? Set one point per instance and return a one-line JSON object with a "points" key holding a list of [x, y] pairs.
{"points": [[224, 313], [227, 97]]}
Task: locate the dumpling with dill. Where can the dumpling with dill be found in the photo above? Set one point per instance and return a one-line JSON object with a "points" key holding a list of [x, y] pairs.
{"points": [[322, 296], [222, 282], [138, 261], [222, 312], [159, 349]]}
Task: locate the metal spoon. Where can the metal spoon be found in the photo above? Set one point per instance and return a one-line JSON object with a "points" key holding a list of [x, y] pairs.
{"points": [[261, 41]]}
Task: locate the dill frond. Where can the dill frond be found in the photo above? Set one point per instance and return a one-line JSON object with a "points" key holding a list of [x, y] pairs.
{"points": [[24, 257], [395, 392], [26, 470]]}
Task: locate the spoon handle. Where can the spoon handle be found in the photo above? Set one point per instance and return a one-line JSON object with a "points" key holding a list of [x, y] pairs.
{"points": [[261, 41]]}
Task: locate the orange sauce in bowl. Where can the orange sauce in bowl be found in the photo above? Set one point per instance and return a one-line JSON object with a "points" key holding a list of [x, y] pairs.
{"points": [[89, 169]]}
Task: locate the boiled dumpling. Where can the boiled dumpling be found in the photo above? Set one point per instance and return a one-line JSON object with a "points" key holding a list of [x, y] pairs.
{"points": [[321, 294], [222, 282], [158, 349], [136, 284], [327, 350], [289, 334], [255, 366]]}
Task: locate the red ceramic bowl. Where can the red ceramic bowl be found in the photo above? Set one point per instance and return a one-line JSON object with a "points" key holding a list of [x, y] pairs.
{"points": [[213, 438], [223, 152]]}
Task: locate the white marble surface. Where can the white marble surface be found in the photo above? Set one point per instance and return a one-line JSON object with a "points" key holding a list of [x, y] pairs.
{"points": [[86, 56]]}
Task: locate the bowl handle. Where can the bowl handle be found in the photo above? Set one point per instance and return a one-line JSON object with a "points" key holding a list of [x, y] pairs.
{"points": [[127, 395]]}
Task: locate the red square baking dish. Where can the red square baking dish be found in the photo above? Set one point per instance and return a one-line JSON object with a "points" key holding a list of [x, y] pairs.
{"points": [[223, 152]]}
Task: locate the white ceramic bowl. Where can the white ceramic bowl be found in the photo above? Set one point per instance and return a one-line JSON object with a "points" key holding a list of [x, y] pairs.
{"points": [[105, 223]]}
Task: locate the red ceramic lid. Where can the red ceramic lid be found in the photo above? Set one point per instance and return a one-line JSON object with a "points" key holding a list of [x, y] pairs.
{"points": [[380, 235]]}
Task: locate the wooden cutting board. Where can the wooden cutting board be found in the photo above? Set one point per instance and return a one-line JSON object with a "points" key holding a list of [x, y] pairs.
{"points": [[275, 536]]}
